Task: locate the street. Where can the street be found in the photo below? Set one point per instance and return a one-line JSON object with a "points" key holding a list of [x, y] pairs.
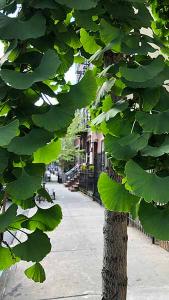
{"points": [[73, 268]]}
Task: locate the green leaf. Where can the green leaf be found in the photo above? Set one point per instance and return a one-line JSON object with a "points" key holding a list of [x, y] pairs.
{"points": [[107, 104], [36, 273], [17, 223], [29, 143], [11, 47], [47, 69], [3, 4], [13, 28], [125, 147], [36, 247], [8, 132], [66, 61], [43, 4], [45, 219], [80, 5], [3, 159], [114, 196], [24, 187], [156, 122], [155, 220], [157, 151], [25, 204], [84, 20], [7, 217], [80, 95], [147, 185], [88, 42], [163, 103], [116, 126], [105, 116], [136, 44], [48, 153], [150, 98], [143, 72], [108, 32], [156, 81], [7, 258], [45, 195]]}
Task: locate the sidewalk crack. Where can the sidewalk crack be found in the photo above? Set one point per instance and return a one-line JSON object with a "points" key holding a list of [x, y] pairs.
{"points": [[71, 296]]}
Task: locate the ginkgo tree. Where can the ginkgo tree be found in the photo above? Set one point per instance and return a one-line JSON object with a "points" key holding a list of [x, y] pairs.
{"points": [[40, 45], [127, 42]]}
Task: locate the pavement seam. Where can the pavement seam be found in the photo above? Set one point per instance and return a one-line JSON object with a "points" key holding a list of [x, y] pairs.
{"points": [[71, 296]]}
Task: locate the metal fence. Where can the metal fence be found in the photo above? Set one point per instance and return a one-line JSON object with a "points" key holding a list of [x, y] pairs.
{"points": [[88, 185]]}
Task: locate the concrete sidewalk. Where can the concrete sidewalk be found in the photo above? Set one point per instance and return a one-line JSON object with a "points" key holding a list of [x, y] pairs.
{"points": [[73, 268]]}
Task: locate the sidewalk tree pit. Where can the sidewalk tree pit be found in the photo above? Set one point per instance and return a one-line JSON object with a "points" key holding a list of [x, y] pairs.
{"points": [[126, 90]]}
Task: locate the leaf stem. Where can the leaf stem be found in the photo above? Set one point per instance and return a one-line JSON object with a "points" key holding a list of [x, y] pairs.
{"points": [[14, 236]]}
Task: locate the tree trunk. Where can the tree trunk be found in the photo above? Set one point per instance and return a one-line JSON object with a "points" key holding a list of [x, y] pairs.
{"points": [[114, 273]]}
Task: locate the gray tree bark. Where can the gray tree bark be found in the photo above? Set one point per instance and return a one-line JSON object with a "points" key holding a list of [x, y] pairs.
{"points": [[114, 273]]}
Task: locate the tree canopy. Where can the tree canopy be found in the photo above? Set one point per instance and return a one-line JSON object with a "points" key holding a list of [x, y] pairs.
{"points": [[127, 42]]}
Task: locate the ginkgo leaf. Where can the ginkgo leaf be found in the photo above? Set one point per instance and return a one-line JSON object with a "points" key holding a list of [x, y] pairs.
{"points": [[105, 116], [36, 273], [8, 132], [123, 148], [29, 143], [14, 28], [114, 196], [150, 98], [17, 223], [147, 185], [88, 42], [108, 32], [48, 153], [45, 219], [24, 187], [143, 72], [155, 220], [79, 96], [156, 122], [157, 151], [80, 5], [47, 69], [7, 258], [36, 247], [3, 159], [7, 217]]}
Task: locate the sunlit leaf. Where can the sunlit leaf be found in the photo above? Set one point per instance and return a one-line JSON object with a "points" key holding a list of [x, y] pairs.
{"points": [[36, 273], [114, 196], [7, 258], [48, 153], [88, 42]]}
